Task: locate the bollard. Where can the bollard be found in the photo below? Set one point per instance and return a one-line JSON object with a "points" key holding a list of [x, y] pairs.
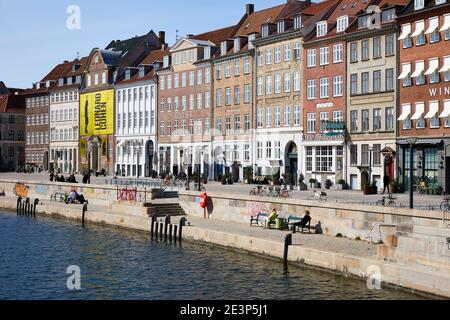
{"points": [[19, 202], [170, 232], [161, 226], [166, 226], [287, 243], [175, 232], [83, 217], [36, 202], [182, 224], [152, 226], [27, 207]]}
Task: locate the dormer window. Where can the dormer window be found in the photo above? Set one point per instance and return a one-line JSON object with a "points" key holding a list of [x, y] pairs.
{"points": [[251, 38], [38, 85], [237, 44], [78, 80], [342, 24], [419, 4], [363, 21], [438, 2], [223, 48], [388, 15], [207, 53], [321, 28], [280, 26], [69, 81], [141, 71], [265, 31], [127, 74], [298, 22], [166, 62], [60, 82]]}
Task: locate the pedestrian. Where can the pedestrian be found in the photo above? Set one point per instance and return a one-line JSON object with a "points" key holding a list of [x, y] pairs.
{"points": [[387, 183]]}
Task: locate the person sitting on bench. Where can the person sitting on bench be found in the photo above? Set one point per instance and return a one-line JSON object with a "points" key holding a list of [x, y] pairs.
{"points": [[304, 223], [272, 218], [74, 197]]}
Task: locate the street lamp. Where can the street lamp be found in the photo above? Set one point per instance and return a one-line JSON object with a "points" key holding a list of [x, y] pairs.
{"points": [[370, 164], [411, 142], [89, 150], [137, 145]]}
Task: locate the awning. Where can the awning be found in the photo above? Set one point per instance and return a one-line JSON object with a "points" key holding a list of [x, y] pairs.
{"points": [[420, 27], [446, 25], [420, 141], [406, 31], [433, 66], [446, 112], [434, 109], [446, 66], [420, 67], [406, 112], [434, 24], [406, 71], [420, 110]]}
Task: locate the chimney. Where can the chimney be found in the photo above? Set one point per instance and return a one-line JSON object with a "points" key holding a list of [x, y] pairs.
{"points": [[250, 8], [162, 37]]}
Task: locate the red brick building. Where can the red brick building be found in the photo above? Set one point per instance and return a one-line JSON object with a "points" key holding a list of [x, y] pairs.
{"points": [[424, 107]]}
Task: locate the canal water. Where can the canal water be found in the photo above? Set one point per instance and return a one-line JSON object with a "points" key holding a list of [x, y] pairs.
{"points": [[121, 264]]}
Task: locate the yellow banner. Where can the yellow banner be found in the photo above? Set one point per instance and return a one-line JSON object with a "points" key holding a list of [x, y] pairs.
{"points": [[97, 113]]}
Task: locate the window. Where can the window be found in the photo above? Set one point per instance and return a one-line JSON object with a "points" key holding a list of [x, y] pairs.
{"points": [[354, 84], [324, 159], [365, 154], [321, 29], [237, 68], [296, 81], [247, 123], [389, 45], [287, 82], [278, 83], [247, 93], [227, 96], [277, 55], [297, 115], [219, 97], [311, 58], [338, 83], [287, 52], [191, 78], [219, 73], [259, 150], [311, 122], [297, 22], [246, 65], [227, 70], [311, 89], [324, 88], [287, 116], [191, 102], [260, 57], [365, 49], [207, 99], [268, 84], [342, 24], [161, 105], [365, 82], [377, 119], [260, 118], [268, 149], [169, 104], [365, 120], [390, 82], [377, 81], [338, 53], [219, 124], [277, 117], [324, 59], [377, 47], [237, 95], [268, 117], [277, 150], [354, 120], [280, 26], [297, 51], [309, 159], [269, 56], [323, 121], [228, 123], [389, 119], [199, 101], [419, 4], [354, 52], [207, 75], [260, 86]]}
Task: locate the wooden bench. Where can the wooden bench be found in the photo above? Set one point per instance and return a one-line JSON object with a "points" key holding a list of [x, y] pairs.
{"points": [[260, 218], [292, 220], [58, 196]]}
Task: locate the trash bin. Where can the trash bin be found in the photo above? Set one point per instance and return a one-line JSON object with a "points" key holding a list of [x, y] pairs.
{"points": [[280, 224]]}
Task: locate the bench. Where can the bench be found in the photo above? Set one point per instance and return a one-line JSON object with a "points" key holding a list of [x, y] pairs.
{"points": [[292, 220], [260, 218], [58, 196]]}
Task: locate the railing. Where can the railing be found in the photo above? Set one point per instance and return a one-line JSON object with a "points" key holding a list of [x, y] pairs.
{"points": [[425, 207], [173, 185]]}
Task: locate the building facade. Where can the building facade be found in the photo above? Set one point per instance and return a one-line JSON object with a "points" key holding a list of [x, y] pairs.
{"points": [[185, 108], [424, 114], [136, 118], [12, 128], [64, 120], [372, 98]]}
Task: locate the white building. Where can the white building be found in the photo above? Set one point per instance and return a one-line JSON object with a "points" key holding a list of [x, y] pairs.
{"points": [[64, 120], [136, 118]]}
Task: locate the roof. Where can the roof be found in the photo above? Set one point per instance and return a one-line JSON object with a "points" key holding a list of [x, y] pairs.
{"points": [[215, 36], [254, 21], [11, 99]]}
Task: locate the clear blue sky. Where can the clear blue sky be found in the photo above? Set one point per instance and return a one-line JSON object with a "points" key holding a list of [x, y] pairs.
{"points": [[35, 37]]}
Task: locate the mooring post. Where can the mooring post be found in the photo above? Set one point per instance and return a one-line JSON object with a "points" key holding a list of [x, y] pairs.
{"points": [[27, 207], [36, 202], [83, 217], [152, 227], [170, 232], [182, 224], [166, 227], [19, 201], [161, 230], [287, 243], [175, 232]]}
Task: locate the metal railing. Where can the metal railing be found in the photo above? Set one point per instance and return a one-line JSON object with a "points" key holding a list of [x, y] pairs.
{"points": [[173, 185]]}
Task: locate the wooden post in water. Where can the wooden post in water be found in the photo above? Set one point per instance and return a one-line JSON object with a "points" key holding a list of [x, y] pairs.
{"points": [[83, 217], [287, 243], [19, 205]]}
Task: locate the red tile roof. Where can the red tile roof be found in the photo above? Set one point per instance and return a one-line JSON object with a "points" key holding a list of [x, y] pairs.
{"points": [[10, 101], [216, 36], [253, 22]]}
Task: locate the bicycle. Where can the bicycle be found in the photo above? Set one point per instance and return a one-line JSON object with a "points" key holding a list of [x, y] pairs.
{"points": [[286, 194], [383, 203], [445, 204], [318, 196]]}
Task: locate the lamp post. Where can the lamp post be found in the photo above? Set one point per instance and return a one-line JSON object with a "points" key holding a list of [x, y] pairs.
{"points": [[89, 149], [411, 142], [370, 165], [137, 145]]}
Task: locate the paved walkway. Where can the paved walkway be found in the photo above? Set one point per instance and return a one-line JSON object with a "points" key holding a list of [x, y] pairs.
{"points": [[338, 196], [315, 241]]}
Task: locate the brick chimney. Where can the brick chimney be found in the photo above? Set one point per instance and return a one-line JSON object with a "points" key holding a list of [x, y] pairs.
{"points": [[162, 37], [250, 8]]}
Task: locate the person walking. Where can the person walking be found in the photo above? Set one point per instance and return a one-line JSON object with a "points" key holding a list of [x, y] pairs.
{"points": [[387, 183]]}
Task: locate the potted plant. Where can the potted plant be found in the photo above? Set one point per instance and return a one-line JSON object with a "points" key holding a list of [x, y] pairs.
{"points": [[328, 184], [370, 189], [301, 183], [341, 185], [248, 174], [223, 180]]}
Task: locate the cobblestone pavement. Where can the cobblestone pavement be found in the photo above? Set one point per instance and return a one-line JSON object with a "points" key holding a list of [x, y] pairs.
{"points": [[315, 241], [338, 196]]}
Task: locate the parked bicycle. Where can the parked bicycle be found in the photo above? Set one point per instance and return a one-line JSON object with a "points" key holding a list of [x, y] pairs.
{"points": [[318, 196], [445, 204], [387, 201], [258, 191], [284, 193]]}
